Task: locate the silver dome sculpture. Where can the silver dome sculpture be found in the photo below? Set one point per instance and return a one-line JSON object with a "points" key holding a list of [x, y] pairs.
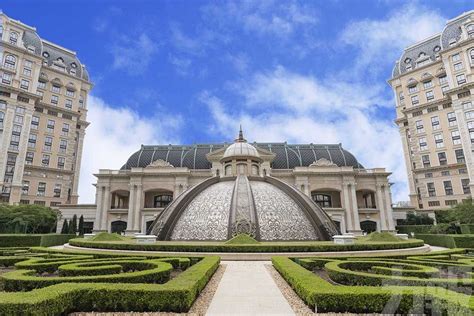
{"points": [[242, 201]]}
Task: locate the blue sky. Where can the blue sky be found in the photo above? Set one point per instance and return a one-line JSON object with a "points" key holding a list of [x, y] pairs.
{"points": [[192, 71]]}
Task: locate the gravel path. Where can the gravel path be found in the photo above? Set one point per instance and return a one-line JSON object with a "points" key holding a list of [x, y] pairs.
{"points": [[199, 307]]}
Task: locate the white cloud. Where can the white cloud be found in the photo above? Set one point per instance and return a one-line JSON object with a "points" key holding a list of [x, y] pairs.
{"points": [[382, 41], [314, 112], [181, 64], [113, 135], [270, 17], [133, 54], [239, 61]]}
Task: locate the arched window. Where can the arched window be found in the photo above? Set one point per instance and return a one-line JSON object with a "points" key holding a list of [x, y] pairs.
{"points": [[162, 200], [241, 169], [470, 29], [255, 170], [10, 62], [13, 38], [228, 170], [323, 200]]}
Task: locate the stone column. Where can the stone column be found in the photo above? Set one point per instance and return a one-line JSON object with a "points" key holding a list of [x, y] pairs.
{"points": [[383, 220], [355, 211], [77, 165], [388, 209], [131, 209], [99, 209], [137, 210], [105, 208], [347, 209]]}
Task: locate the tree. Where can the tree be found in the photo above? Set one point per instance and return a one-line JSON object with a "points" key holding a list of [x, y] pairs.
{"points": [[65, 229], [81, 225], [462, 213], [417, 219], [73, 225], [30, 219]]}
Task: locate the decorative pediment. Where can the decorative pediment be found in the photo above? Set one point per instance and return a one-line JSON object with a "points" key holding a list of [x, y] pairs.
{"points": [[323, 162], [160, 163]]}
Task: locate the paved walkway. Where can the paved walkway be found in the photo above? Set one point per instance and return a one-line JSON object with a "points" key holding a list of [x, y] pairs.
{"points": [[248, 289]]}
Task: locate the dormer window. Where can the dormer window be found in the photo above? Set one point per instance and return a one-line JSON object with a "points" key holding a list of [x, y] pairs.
{"points": [[73, 65], [470, 29], [452, 42], [407, 60], [422, 54], [437, 48], [13, 38], [45, 54]]}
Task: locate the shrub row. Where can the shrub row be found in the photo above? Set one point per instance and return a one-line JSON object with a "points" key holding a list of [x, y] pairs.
{"points": [[264, 247], [325, 297], [448, 241], [407, 229], [30, 240], [177, 295]]}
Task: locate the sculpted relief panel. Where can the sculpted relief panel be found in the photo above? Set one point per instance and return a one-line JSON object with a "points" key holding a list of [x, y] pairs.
{"points": [[279, 217], [207, 216]]}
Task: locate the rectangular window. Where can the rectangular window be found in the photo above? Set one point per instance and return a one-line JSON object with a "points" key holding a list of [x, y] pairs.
{"points": [[422, 143], [65, 129], [469, 114], [467, 105], [48, 142], [2, 118], [444, 89], [34, 122], [460, 156], [6, 78], [461, 78], [445, 173], [462, 171], [25, 188], [32, 141], [41, 85], [450, 202], [401, 97], [414, 100], [458, 66], [55, 89], [429, 95], [57, 190], [68, 104], [29, 157], [425, 159], [50, 126], [455, 58], [45, 160], [442, 159], [62, 146], [427, 84], [14, 142], [435, 123], [412, 89], [443, 80], [61, 162], [54, 99], [465, 186], [439, 140], [24, 84], [448, 187], [70, 93], [456, 137], [428, 175], [431, 189], [452, 119], [41, 189], [419, 126]]}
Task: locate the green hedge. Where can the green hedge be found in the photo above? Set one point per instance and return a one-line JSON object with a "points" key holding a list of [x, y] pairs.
{"points": [[30, 240], [176, 295], [407, 229], [263, 247], [467, 229], [448, 241], [324, 297]]}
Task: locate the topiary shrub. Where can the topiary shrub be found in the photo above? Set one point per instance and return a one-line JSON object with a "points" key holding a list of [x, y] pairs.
{"points": [[382, 237], [242, 239], [108, 237]]}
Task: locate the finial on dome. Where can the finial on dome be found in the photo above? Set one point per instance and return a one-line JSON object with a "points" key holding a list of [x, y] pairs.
{"points": [[241, 138]]}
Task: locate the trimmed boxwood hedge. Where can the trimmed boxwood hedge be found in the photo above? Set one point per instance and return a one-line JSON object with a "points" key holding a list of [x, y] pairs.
{"points": [[407, 229], [30, 240], [176, 295], [448, 241], [325, 297], [262, 247]]}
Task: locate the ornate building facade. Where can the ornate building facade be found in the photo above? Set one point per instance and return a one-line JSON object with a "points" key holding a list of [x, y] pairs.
{"points": [[433, 83], [329, 177], [43, 109]]}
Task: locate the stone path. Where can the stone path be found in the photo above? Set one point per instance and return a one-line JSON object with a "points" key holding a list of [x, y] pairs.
{"points": [[247, 288]]}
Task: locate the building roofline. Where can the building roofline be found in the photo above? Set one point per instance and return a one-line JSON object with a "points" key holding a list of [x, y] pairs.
{"points": [[32, 28], [59, 47], [460, 16], [422, 41]]}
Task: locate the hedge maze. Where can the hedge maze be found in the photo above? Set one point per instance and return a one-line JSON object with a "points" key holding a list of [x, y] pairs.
{"points": [[439, 283], [41, 281]]}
